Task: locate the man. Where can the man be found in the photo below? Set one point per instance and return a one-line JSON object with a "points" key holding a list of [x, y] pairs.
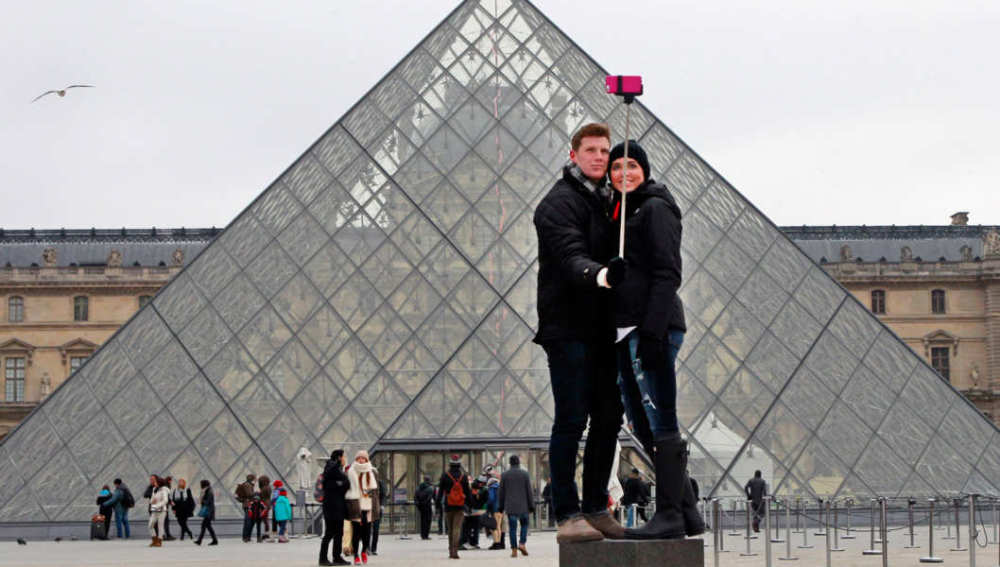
{"points": [[516, 500], [148, 495], [575, 268], [170, 505], [121, 500], [455, 491], [244, 495], [756, 490], [636, 493], [335, 486], [547, 499], [424, 499], [383, 497]]}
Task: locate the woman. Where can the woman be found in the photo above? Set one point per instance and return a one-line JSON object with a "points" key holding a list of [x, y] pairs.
{"points": [[362, 504], [104, 507], [206, 513], [158, 501], [183, 504], [264, 488], [649, 317]]}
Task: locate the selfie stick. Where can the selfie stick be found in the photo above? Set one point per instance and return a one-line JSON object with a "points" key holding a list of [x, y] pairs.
{"points": [[628, 88]]}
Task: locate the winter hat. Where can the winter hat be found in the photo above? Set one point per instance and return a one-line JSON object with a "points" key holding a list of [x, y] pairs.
{"points": [[361, 453], [278, 483], [456, 459], [635, 152]]}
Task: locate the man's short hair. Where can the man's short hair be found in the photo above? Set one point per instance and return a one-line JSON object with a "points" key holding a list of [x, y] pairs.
{"points": [[251, 478], [594, 129], [635, 470], [756, 474], [117, 481]]}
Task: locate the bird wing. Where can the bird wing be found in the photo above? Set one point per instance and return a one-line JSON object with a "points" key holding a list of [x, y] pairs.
{"points": [[43, 94], [78, 86]]}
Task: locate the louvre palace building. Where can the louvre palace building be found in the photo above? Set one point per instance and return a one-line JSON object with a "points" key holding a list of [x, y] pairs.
{"points": [[380, 294]]}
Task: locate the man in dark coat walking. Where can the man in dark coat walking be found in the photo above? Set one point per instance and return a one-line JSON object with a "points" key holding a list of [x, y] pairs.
{"points": [[424, 499], [335, 486], [518, 502], [756, 490], [575, 269], [635, 493]]}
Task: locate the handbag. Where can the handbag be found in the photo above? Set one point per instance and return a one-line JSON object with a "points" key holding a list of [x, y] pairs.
{"points": [[204, 512]]}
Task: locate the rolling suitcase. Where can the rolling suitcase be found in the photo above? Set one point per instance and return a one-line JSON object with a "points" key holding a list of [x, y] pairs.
{"points": [[97, 527]]}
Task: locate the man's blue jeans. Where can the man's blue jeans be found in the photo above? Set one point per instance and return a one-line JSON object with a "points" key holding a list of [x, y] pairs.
{"points": [[120, 520], [649, 395], [584, 387], [512, 529]]}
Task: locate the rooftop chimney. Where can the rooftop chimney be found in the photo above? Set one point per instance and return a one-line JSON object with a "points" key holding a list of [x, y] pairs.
{"points": [[960, 218]]}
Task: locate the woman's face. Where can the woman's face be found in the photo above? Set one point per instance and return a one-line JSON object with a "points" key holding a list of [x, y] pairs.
{"points": [[362, 459], [152, 480], [633, 174]]}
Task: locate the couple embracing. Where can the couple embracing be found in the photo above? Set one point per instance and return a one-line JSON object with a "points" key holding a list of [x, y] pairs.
{"points": [[611, 328]]}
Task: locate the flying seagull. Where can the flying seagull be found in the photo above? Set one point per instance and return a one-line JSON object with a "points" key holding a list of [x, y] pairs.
{"points": [[62, 92]]}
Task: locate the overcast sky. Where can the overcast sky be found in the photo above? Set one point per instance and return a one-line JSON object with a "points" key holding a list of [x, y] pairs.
{"points": [[845, 112]]}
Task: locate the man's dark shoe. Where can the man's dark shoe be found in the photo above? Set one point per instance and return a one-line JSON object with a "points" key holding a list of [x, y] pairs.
{"points": [[671, 479], [340, 561], [325, 563], [214, 542], [169, 538], [604, 523]]}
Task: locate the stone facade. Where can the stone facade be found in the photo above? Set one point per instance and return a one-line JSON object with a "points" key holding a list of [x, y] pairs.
{"points": [[967, 329], [41, 339]]}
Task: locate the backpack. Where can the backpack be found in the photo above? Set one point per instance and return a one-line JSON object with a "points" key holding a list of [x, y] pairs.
{"points": [[456, 496], [127, 499], [318, 489]]}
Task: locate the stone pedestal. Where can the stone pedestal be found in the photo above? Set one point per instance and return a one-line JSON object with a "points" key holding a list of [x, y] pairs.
{"points": [[630, 553]]}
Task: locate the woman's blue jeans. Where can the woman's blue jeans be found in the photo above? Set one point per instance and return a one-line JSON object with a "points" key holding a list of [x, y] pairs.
{"points": [[649, 394]]}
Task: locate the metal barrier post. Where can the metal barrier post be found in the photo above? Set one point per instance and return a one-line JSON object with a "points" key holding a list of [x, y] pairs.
{"points": [[826, 532], [777, 522], [836, 527], [798, 514], [767, 531], [884, 528], [972, 530], [805, 537], [910, 503], [848, 534], [819, 521], [733, 531], [958, 528], [996, 526], [930, 537], [788, 534], [748, 553], [717, 534], [871, 532]]}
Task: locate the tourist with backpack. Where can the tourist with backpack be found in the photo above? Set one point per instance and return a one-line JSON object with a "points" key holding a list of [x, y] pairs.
{"points": [[121, 501], [455, 490]]}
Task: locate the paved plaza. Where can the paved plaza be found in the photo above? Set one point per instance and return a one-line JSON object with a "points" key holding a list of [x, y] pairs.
{"points": [[417, 553]]}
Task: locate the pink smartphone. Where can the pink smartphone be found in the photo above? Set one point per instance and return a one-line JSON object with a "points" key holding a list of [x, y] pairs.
{"points": [[624, 85]]}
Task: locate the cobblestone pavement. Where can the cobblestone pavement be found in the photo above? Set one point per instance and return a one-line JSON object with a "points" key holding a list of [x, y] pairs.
{"points": [[417, 553]]}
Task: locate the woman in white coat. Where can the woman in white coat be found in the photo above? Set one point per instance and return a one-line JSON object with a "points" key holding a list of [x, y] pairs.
{"points": [[362, 504], [158, 502]]}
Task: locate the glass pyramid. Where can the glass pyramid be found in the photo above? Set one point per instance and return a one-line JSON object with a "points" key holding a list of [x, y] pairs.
{"points": [[383, 288]]}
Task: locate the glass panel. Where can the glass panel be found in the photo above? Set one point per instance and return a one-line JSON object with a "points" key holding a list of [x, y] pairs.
{"points": [[21, 507], [855, 327], [905, 432], [820, 469], [844, 433], [206, 334], [319, 402], [831, 362], [297, 301], [943, 468], [867, 397], [384, 333], [335, 150], [352, 368], [238, 303], [244, 238], [302, 238], [808, 397], [881, 469], [365, 121], [329, 268], [263, 336], [729, 264], [282, 439], [170, 371], [443, 402], [712, 363], [967, 430], [290, 369], [210, 272], [721, 204], [772, 362], [324, 334], [258, 404], [704, 296], [747, 398], [796, 328], [928, 395], [412, 367], [306, 178], [355, 301], [762, 296], [231, 369], [333, 208], [159, 443], [891, 360], [689, 177], [195, 406], [271, 270], [753, 233], [179, 301], [222, 442], [96, 444], [108, 371], [53, 483], [69, 407], [819, 294], [381, 402], [32, 445], [700, 235], [738, 329], [786, 264], [386, 268]]}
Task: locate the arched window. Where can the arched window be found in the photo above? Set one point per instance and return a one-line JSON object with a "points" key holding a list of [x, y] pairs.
{"points": [[937, 301], [878, 301], [81, 308], [15, 309]]}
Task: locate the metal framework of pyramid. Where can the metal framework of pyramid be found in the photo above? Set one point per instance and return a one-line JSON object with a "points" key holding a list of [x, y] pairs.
{"points": [[383, 288]]}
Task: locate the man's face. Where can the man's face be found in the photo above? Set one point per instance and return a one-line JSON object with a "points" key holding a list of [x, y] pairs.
{"points": [[592, 156]]}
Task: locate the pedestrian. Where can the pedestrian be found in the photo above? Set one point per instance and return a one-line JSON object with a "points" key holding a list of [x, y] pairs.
{"points": [[383, 497], [121, 501], [576, 266], [362, 505], [169, 482], [334, 491], [244, 495], [439, 508], [159, 501], [182, 502], [517, 501], [493, 511], [282, 513], [649, 321], [263, 507], [276, 487], [104, 509], [637, 494], [455, 490], [475, 511], [756, 490], [206, 512], [547, 499], [424, 498]]}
